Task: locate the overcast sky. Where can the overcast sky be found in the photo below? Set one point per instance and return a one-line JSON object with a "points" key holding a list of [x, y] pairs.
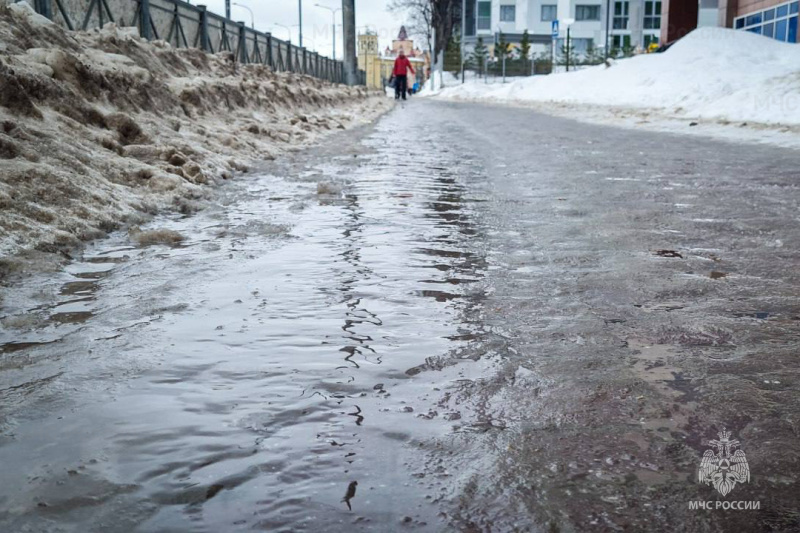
{"points": [[317, 22]]}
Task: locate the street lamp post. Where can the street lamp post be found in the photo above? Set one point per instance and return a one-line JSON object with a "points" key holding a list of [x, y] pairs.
{"points": [[252, 18], [569, 23], [333, 15], [568, 43], [609, 16], [463, 34], [300, 17]]}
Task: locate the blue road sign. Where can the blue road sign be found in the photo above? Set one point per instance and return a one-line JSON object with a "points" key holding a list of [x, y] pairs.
{"points": [[555, 29]]}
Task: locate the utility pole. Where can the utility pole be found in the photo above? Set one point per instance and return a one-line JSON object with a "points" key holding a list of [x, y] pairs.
{"points": [[349, 31], [228, 9], [300, 13]]}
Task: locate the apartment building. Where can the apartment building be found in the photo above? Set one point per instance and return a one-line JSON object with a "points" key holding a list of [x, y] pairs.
{"points": [[627, 23], [775, 19], [631, 24]]}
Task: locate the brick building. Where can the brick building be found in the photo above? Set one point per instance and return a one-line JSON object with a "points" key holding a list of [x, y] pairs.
{"points": [[776, 19]]}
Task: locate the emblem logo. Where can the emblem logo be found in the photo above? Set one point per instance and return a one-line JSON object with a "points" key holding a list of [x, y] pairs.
{"points": [[725, 468]]}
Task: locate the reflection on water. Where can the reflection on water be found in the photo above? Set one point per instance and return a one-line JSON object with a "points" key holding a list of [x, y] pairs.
{"points": [[251, 379]]}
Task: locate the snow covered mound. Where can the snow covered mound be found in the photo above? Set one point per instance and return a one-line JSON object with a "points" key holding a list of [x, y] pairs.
{"points": [[712, 73], [102, 129]]}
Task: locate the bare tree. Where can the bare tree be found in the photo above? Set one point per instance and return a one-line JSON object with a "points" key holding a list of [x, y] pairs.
{"points": [[444, 13], [425, 15]]}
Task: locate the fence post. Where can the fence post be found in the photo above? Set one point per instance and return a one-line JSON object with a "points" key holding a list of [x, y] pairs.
{"points": [[43, 8], [144, 19], [289, 56], [305, 61], [242, 44], [269, 51], [203, 29]]}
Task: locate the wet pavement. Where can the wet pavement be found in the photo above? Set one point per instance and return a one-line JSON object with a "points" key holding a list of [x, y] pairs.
{"points": [[465, 318]]}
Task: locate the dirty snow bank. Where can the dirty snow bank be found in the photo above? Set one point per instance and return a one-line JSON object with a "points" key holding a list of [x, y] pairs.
{"points": [[713, 73], [101, 129]]}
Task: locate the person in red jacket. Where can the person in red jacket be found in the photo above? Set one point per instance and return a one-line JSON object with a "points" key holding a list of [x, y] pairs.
{"points": [[401, 67]]}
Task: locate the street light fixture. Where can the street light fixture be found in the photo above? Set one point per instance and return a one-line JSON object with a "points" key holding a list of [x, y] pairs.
{"points": [[333, 15], [287, 28], [252, 18]]}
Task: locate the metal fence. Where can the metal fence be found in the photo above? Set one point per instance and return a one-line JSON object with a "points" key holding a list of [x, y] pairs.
{"points": [[184, 25]]}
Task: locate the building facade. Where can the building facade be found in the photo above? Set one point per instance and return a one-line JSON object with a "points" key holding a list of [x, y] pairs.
{"points": [[623, 24], [775, 19]]}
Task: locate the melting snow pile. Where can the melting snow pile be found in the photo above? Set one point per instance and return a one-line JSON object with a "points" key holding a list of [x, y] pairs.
{"points": [[101, 129], [712, 73]]}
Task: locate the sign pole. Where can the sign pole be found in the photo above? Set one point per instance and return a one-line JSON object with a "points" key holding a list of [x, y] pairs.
{"points": [[555, 30]]}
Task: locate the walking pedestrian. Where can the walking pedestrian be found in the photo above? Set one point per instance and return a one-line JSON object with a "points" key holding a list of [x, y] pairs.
{"points": [[401, 67]]}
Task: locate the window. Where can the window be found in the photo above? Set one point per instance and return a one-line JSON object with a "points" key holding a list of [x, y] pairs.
{"points": [[620, 41], [778, 23], [754, 19], [650, 39], [621, 11], [652, 14], [470, 23], [578, 47], [780, 30], [587, 12], [508, 13], [484, 15], [549, 13]]}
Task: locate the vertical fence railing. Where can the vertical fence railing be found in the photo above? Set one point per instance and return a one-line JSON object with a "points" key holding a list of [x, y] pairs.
{"points": [[186, 25]]}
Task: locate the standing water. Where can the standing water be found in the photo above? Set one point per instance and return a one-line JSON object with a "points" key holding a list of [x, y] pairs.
{"points": [[265, 373]]}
